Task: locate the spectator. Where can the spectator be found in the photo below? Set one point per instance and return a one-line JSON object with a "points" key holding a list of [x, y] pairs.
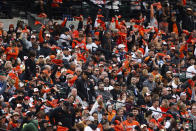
{"points": [[192, 115], [130, 124], [85, 91], [30, 70], [108, 74], [150, 83], [62, 116], [191, 70], [31, 125], [90, 45], [65, 38], [154, 108]]}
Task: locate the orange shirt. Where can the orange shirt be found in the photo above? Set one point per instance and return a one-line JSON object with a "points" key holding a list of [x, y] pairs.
{"points": [[100, 127], [12, 52], [149, 129], [130, 126], [163, 109], [111, 115], [61, 128], [118, 128], [75, 34], [72, 81], [175, 28]]}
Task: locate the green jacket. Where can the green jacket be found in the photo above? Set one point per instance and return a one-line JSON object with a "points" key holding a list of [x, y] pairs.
{"points": [[31, 126]]}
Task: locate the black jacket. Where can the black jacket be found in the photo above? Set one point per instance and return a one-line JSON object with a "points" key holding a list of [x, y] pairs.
{"points": [[140, 118], [141, 101], [58, 115], [187, 20], [115, 93], [85, 89], [164, 69], [45, 51], [30, 69]]}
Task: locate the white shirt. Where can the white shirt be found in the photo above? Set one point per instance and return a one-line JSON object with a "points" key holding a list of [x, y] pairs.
{"points": [[135, 58], [191, 71], [109, 88], [120, 104], [64, 39], [88, 128], [115, 5], [67, 57], [90, 46], [156, 115]]}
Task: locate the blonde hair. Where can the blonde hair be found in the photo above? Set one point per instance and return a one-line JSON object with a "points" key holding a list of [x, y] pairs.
{"points": [[145, 72], [167, 103], [144, 91], [182, 107], [179, 102], [8, 64], [38, 61]]}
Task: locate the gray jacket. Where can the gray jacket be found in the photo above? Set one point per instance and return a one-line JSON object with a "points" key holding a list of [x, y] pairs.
{"points": [[150, 85], [27, 43]]}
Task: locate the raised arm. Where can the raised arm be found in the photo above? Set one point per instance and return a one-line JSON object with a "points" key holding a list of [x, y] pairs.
{"points": [[41, 39], [80, 24], [116, 23], [64, 22], [151, 12]]}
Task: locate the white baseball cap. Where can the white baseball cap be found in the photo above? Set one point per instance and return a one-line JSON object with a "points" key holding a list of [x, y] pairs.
{"points": [[48, 35], [121, 46], [18, 105], [182, 94], [33, 36], [35, 89]]}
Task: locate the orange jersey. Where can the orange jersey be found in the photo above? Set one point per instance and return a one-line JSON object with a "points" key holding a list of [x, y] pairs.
{"points": [[81, 45], [75, 34], [130, 126]]}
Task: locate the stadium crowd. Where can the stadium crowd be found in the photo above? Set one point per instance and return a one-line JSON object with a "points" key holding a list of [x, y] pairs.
{"points": [[114, 75]]}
